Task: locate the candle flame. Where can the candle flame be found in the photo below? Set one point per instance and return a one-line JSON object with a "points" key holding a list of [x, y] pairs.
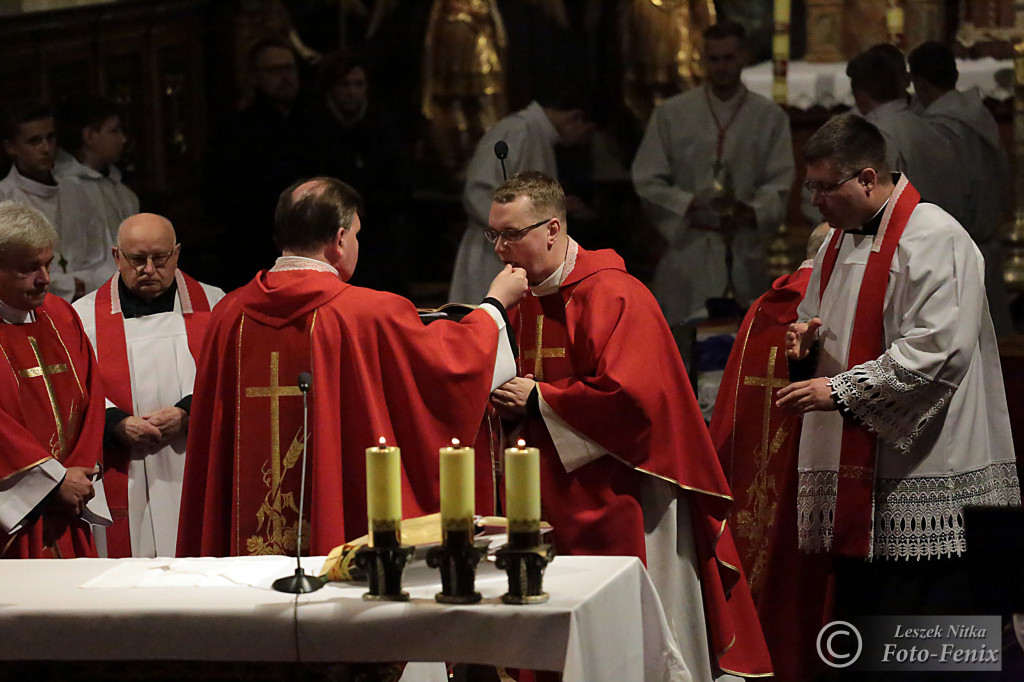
{"points": [[521, 443], [455, 442], [382, 441]]}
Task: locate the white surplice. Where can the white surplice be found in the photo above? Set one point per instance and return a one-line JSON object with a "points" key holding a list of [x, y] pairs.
{"points": [[675, 163], [113, 200], [84, 249], [531, 140], [935, 397], [162, 372]]}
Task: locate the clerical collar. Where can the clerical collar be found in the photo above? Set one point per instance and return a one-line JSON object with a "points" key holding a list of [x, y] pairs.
{"points": [[872, 225], [288, 263], [16, 315], [555, 279], [133, 306]]}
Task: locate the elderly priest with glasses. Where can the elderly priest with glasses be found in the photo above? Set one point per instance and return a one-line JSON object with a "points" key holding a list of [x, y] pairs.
{"points": [[147, 324]]}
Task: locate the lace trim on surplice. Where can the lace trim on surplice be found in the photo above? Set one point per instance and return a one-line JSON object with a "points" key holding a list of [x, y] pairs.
{"points": [[915, 518], [891, 400]]}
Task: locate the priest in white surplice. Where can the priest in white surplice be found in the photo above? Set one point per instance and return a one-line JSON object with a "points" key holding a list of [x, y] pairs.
{"points": [[719, 150], [82, 256], [906, 421], [147, 324]]}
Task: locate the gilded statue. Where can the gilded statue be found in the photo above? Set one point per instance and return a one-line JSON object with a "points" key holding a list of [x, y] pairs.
{"points": [[661, 48]]}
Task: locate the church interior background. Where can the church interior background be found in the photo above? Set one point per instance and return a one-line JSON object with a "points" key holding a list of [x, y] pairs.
{"points": [[177, 67]]}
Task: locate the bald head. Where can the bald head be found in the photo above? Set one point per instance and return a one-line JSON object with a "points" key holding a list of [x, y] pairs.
{"points": [[146, 226], [147, 254]]}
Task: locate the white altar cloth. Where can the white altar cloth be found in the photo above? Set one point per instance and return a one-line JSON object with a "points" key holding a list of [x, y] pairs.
{"points": [[825, 84], [603, 622]]}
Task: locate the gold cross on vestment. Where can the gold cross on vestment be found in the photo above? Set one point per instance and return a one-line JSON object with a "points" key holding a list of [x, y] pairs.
{"points": [[45, 371], [275, 391], [539, 352], [770, 383]]}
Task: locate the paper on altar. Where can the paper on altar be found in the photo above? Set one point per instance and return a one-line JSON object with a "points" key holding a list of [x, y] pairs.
{"points": [[202, 572]]}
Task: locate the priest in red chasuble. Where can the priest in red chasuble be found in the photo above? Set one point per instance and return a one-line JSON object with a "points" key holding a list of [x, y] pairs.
{"points": [[51, 402], [377, 370], [757, 445], [627, 466]]}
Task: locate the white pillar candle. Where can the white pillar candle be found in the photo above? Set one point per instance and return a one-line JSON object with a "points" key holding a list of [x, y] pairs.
{"points": [[522, 488], [457, 489], [384, 489]]}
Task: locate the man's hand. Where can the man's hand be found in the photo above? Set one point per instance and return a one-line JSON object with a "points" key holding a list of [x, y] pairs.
{"points": [[813, 395], [137, 432], [510, 398], [169, 421], [509, 286], [76, 488], [800, 337]]}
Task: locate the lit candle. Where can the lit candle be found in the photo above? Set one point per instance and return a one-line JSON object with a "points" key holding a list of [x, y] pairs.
{"points": [[522, 490], [457, 504], [780, 51], [384, 494]]}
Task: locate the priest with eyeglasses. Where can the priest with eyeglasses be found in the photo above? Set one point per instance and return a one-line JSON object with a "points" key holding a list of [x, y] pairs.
{"points": [[147, 324]]}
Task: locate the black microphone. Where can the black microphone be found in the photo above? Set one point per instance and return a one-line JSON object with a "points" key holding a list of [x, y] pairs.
{"points": [[501, 151], [300, 583]]}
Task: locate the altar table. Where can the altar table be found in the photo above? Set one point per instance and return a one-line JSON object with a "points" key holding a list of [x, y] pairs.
{"points": [[603, 622]]}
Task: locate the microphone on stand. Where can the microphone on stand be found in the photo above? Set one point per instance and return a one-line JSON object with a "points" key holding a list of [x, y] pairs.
{"points": [[300, 582], [501, 151]]}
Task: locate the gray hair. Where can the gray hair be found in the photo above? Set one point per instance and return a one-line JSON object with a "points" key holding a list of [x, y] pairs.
{"points": [[23, 228]]}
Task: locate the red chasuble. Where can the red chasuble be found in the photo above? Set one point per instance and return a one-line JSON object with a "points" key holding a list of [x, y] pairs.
{"points": [[52, 407], [609, 367], [757, 445], [112, 357], [377, 371]]}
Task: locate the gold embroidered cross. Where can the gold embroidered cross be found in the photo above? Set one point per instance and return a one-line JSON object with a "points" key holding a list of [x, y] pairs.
{"points": [[539, 352], [769, 382], [275, 391], [45, 371]]}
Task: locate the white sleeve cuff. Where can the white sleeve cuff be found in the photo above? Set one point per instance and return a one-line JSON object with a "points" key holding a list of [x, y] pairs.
{"points": [[573, 448], [20, 493], [505, 360]]}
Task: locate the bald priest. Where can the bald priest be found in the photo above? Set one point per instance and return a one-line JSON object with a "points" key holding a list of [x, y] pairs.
{"points": [[147, 324]]}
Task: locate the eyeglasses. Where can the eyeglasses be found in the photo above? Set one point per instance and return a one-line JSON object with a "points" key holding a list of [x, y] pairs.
{"points": [[512, 236], [139, 261], [813, 187]]}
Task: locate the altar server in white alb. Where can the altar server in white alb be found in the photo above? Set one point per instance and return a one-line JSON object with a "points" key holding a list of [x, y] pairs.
{"points": [[715, 165], [92, 140], [906, 421], [147, 325], [81, 257]]}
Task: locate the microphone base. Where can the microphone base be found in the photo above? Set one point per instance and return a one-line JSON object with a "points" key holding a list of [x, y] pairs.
{"points": [[300, 583]]}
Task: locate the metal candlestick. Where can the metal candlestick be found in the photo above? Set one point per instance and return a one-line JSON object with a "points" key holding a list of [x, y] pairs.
{"points": [[524, 559], [457, 558], [383, 564]]}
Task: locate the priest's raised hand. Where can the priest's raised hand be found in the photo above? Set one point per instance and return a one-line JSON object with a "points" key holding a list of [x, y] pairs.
{"points": [[509, 286]]}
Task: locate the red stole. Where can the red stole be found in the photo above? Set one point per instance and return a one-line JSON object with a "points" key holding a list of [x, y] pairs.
{"points": [[268, 437], [112, 356], [852, 530]]}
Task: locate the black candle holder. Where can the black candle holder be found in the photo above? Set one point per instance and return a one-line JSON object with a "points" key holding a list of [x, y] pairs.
{"points": [[456, 558], [384, 564], [524, 559]]}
